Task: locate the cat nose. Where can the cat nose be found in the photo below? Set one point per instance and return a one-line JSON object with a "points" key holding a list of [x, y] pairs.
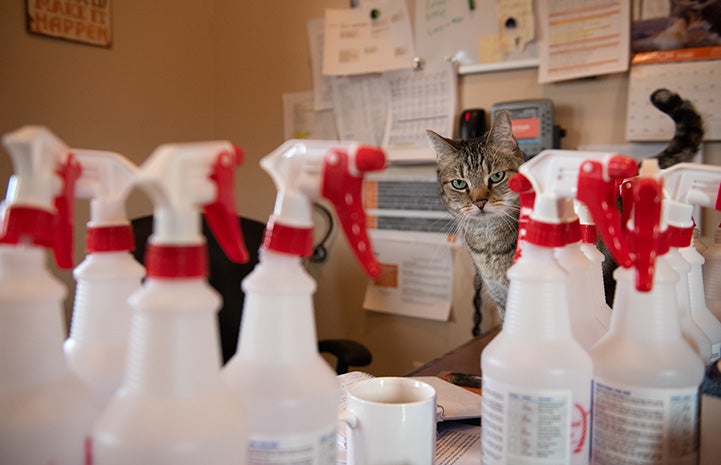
{"points": [[480, 203]]}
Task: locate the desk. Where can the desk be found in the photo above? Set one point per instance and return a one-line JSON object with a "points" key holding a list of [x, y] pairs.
{"points": [[465, 358]]}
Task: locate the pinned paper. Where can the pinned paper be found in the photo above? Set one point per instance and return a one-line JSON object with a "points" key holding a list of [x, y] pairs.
{"points": [[515, 24], [302, 121], [489, 49], [373, 37], [417, 277]]}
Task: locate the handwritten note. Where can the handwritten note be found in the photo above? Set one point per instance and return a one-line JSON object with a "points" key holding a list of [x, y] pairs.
{"points": [[371, 38], [86, 22], [466, 31]]}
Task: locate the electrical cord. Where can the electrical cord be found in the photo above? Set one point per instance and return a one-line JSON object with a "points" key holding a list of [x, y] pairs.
{"points": [[320, 251]]}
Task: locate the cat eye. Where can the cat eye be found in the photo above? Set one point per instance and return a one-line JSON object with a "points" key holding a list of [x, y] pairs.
{"points": [[497, 177], [459, 184]]}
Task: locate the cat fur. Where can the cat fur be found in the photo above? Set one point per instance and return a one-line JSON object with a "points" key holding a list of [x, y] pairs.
{"points": [[485, 212]]}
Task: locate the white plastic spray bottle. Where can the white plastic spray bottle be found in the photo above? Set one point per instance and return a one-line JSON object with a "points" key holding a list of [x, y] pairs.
{"points": [[646, 376], [555, 174], [536, 375], [686, 185], [47, 411], [691, 331], [96, 347], [290, 391], [172, 407]]}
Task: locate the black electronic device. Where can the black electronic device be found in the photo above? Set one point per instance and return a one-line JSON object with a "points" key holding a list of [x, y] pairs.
{"points": [[533, 125], [472, 123]]}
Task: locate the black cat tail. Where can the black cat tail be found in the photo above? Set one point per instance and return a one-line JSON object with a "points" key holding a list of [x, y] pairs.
{"points": [[689, 131]]}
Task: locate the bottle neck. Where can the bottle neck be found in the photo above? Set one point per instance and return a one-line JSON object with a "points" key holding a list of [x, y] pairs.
{"points": [[651, 315], [174, 346], [31, 318], [533, 308], [101, 312], [278, 323]]}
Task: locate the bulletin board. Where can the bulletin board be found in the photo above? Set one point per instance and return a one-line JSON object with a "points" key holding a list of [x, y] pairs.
{"points": [[473, 33]]}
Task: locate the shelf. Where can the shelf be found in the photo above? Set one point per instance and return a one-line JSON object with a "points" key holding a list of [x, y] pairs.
{"points": [[503, 66]]}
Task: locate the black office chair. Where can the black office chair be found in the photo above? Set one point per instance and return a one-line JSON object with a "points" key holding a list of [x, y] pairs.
{"points": [[225, 276]]}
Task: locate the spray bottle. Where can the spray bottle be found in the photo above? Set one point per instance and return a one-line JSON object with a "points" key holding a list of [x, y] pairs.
{"points": [[686, 185], [96, 347], [646, 376], [172, 406], [675, 236], [290, 391], [47, 411], [536, 375], [555, 174]]}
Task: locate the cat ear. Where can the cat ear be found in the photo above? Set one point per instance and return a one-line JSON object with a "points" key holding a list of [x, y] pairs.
{"points": [[442, 146], [501, 132]]}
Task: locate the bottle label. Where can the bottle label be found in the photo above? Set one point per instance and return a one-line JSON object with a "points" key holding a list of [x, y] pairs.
{"points": [[639, 426], [317, 448], [532, 427]]}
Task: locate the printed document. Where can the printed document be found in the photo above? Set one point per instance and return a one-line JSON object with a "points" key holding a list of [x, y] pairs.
{"points": [[583, 38]]}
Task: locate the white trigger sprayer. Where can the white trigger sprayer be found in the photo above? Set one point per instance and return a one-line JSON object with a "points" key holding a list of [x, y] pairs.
{"points": [[172, 406], [96, 347], [643, 359], [686, 185], [290, 391], [536, 365], [554, 176], [47, 411]]}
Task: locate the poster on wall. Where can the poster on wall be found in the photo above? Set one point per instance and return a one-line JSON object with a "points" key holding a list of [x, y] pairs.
{"points": [[665, 31], [87, 22]]}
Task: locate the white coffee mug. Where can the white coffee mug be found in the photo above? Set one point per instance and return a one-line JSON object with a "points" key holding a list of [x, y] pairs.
{"points": [[392, 421]]}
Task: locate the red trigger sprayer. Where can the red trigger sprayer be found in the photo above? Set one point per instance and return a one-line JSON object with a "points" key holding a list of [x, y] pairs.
{"points": [[172, 406], [46, 410], [277, 370], [644, 359]]}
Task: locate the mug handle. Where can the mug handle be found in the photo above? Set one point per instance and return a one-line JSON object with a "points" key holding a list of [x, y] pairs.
{"points": [[350, 419]]}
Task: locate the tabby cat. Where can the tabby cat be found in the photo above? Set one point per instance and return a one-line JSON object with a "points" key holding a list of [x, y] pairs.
{"points": [[472, 184]]}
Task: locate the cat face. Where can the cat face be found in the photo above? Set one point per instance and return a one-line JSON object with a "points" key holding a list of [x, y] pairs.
{"points": [[473, 174]]}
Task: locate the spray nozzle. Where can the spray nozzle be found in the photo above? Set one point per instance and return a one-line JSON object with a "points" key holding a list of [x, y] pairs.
{"points": [[597, 188], [38, 208], [305, 170], [106, 180], [689, 184], [642, 232], [647, 240], [559, 176], [180, 179], [526, 197]]}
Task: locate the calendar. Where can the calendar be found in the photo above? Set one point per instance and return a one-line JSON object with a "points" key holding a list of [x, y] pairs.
{"points": [[697, 81], [419, 100]]}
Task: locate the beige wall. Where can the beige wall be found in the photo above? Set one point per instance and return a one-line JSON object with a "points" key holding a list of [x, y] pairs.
{"points": [[211, 69]]}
